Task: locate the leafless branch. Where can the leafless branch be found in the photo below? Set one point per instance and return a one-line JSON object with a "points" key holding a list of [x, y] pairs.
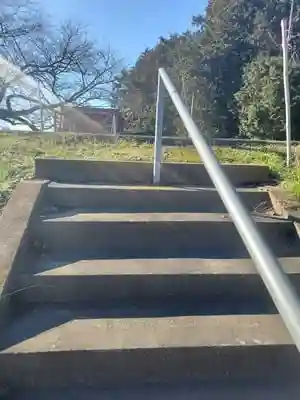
{"points": [[68, 65]]}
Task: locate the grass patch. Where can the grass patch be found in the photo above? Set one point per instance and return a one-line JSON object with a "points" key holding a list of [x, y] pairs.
{"points": [[18, 154]]}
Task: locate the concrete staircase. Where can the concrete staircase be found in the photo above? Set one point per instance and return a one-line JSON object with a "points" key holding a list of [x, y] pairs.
{"points": [[129, 291]]}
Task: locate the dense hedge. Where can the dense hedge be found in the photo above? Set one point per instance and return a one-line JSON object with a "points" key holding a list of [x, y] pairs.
{"points": [[261, 106]]}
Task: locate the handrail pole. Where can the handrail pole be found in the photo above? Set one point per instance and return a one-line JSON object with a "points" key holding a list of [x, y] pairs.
{"points": [[276, 281], [160, 105]]}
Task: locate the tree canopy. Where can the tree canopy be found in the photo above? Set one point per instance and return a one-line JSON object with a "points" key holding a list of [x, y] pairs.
{"points": [[207, 64], [215, 65]]}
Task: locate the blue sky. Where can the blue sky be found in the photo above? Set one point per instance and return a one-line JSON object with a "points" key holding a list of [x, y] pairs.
{"points": [[129, 26]]}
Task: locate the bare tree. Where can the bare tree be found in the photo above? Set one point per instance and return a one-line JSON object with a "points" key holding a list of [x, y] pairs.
{"points": [[17, 18], [49, 65]]}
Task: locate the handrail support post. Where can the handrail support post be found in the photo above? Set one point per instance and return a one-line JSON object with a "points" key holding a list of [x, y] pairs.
{"points": [[160, 105]]}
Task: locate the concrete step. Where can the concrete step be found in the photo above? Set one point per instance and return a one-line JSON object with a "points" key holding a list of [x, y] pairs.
{"points": [[148, 199], [140, 173], [161, 235], [61, 348], [211, 284], [208, 391], [157, 307]]}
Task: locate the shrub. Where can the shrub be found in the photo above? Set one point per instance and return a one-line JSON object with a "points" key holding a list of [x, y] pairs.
{"points": [[261, 100]]}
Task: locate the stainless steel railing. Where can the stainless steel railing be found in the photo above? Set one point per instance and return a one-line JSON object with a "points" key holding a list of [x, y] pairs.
{"points": [[276, 281]]}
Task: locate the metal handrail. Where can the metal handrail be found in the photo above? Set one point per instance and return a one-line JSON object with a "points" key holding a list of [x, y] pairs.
{"points": [[272, 274]]}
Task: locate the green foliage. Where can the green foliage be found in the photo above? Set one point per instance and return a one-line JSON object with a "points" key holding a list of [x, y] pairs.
{"points": [[208, 64], [261, 99], [136, 87]]}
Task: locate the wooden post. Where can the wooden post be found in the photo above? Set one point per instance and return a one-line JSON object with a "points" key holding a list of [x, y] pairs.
{"points": [[287, 97], [158, 130], [41, 108], [192, 105], [55, 120], [114, 124]]}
